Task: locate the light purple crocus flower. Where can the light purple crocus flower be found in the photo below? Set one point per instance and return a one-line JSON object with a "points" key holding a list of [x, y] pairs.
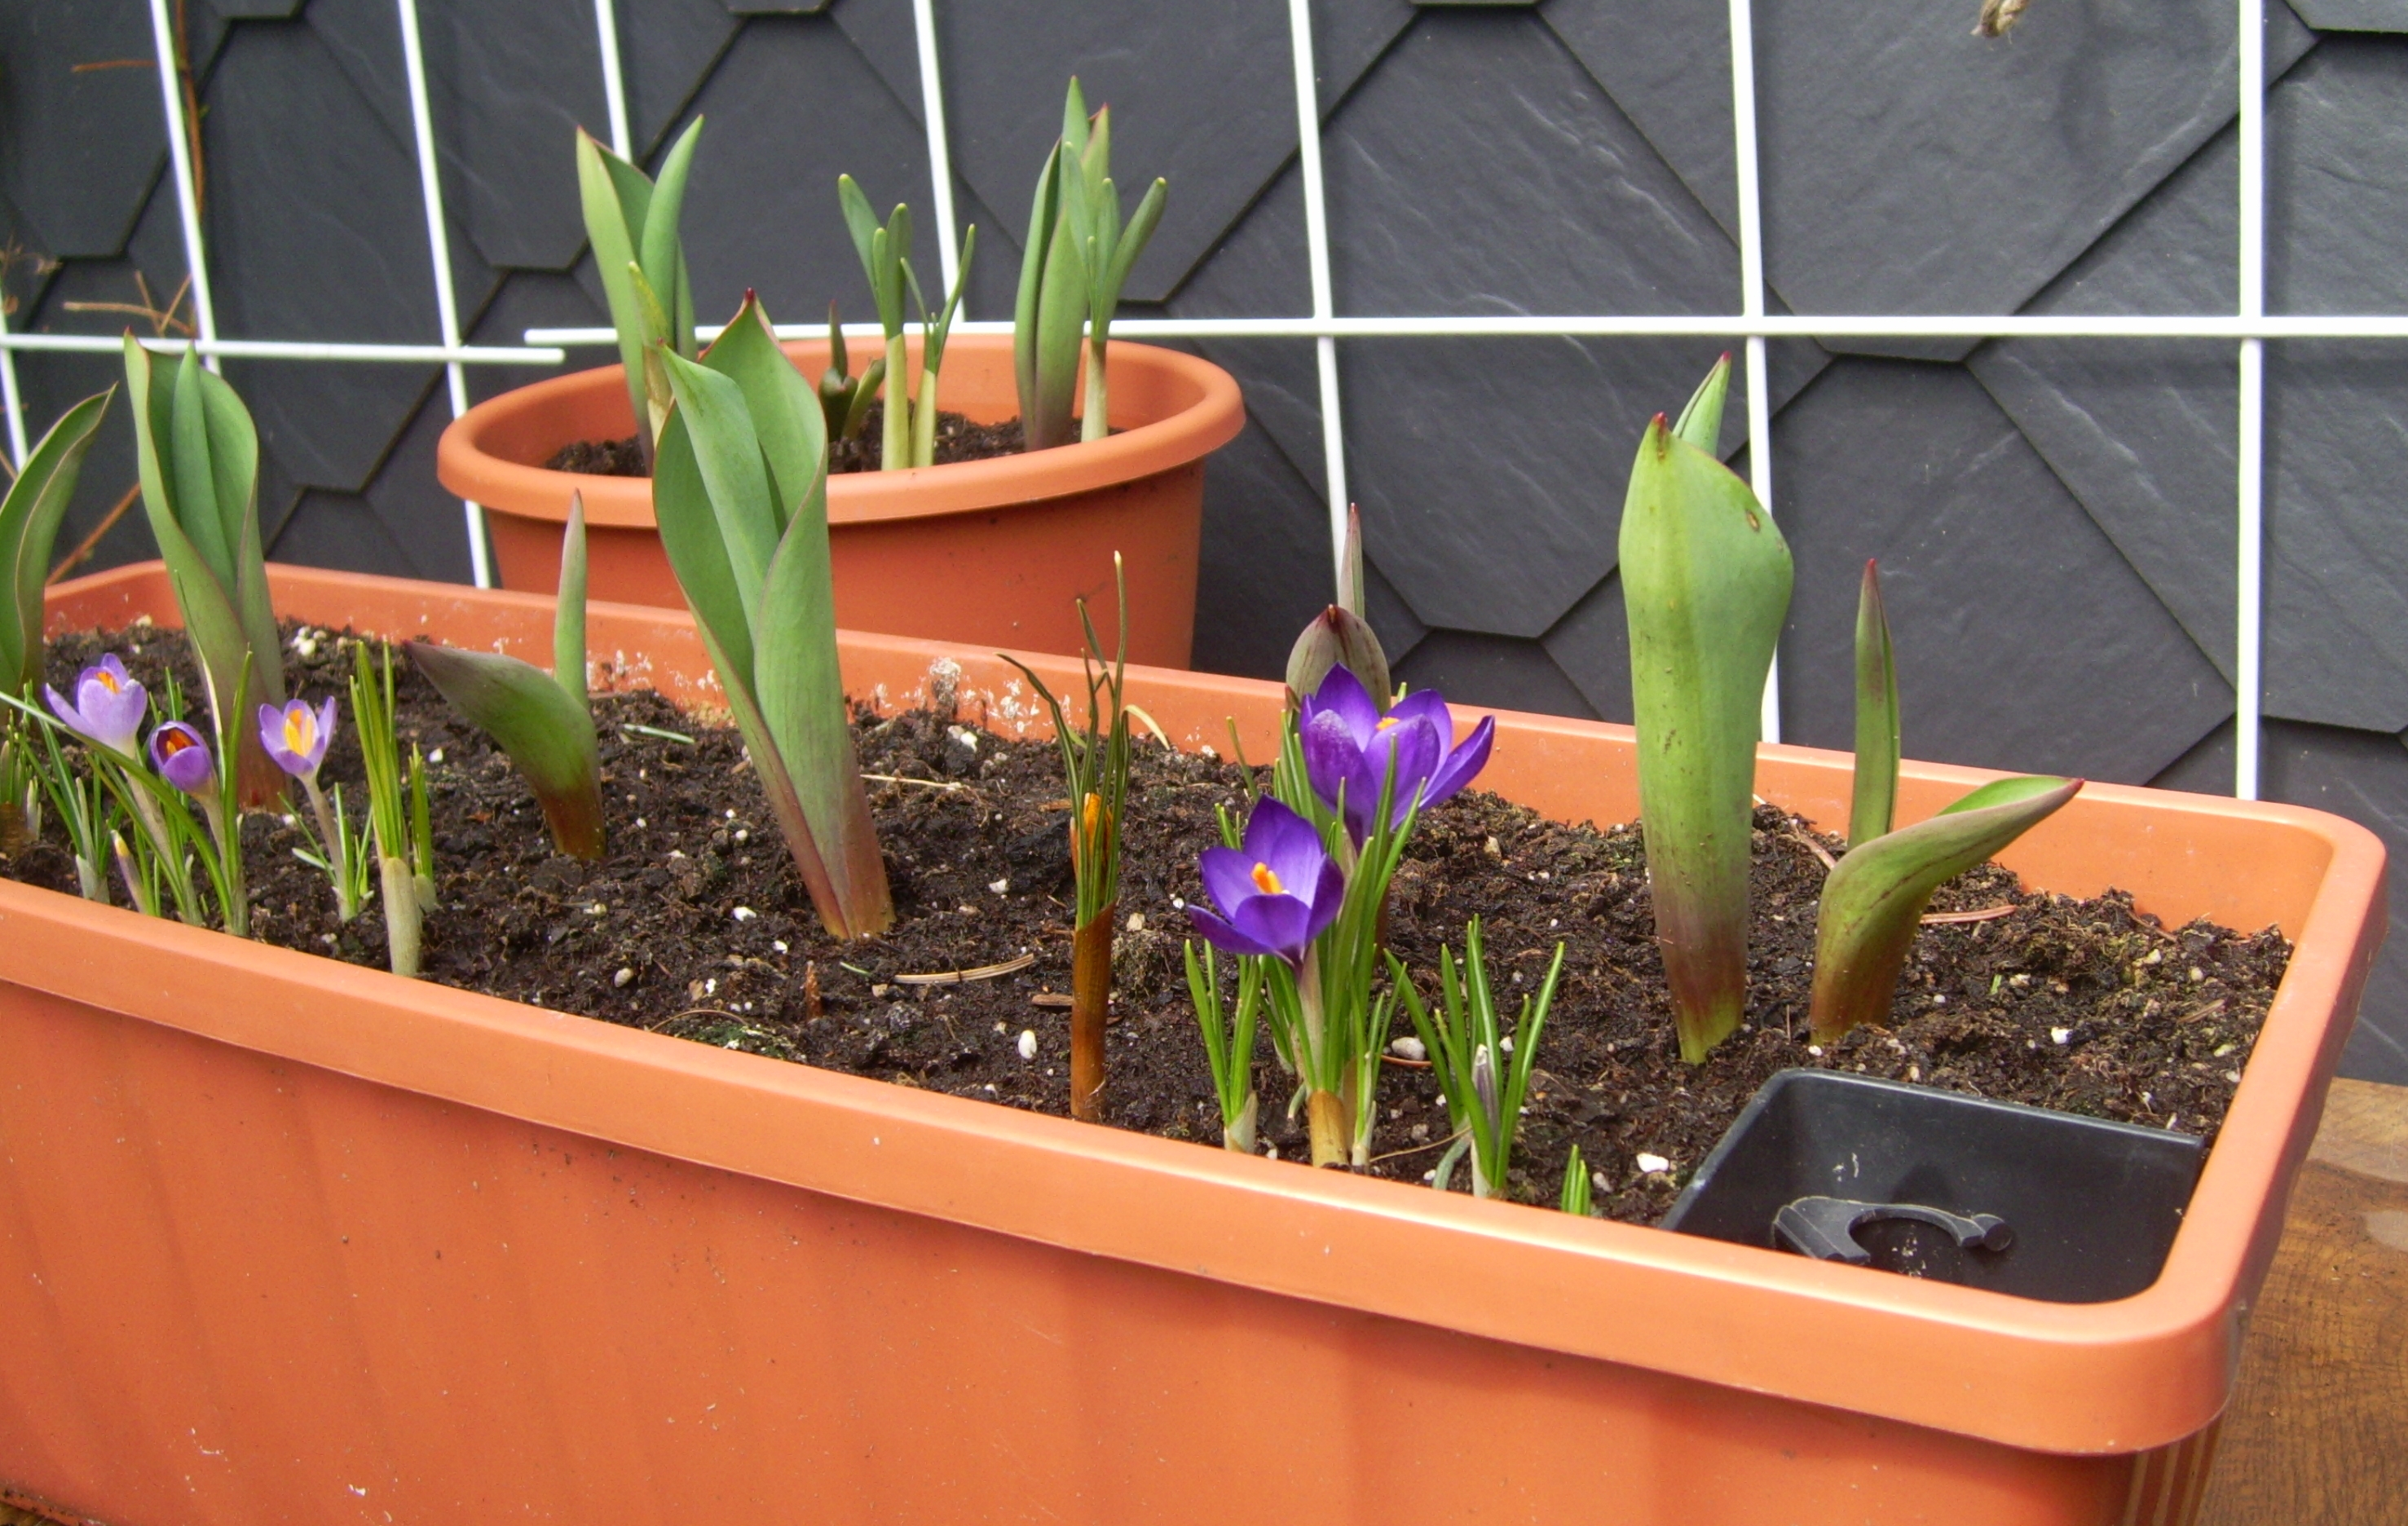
{"points": [[108, 705], [1350, 745], [296, 736], [182, 756], [1276, 894]]}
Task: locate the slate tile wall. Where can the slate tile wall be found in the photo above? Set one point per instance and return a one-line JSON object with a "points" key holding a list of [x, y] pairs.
{"points": [[2053, 518]]}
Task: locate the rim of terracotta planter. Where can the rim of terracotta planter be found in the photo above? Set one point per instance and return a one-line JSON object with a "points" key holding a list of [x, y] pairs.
{"points": [[2123, 1377], [1177, 408]]}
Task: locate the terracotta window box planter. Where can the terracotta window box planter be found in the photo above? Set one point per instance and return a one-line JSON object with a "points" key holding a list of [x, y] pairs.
{"points": [[284, 1239], [988, 554]]}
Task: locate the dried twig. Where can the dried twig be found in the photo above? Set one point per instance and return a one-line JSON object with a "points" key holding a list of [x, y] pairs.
{"points": [[957, 977], [1985, 914]]}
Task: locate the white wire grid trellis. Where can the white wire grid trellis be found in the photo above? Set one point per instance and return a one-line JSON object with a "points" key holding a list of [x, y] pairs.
{"points": [[2249, 327]]}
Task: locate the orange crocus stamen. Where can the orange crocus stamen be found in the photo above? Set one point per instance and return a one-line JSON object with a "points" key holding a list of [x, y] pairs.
{"points": [[1385, 722], [174, 743], [300, 729], [1267, 882]]}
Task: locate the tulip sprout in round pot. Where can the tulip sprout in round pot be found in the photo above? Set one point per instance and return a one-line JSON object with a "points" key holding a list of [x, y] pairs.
{"points": [[800, 1046], [980, 483]]}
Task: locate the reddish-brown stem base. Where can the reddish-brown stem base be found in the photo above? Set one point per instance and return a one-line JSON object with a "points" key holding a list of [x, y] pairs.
{"points": [[1090, 996]]}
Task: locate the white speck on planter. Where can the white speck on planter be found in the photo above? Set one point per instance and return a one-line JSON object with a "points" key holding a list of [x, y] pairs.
{"points": [[1815, 1049], [1208, 752], [742, 833], [731, 816], [1938, 1000], [999, 1027], [1506, 1043], [1029, 1044], [1653, 1164], [1409, 1049], [1137, 922], [964, 735], [626, 974], [745, 914], [2060, 1035], [1179, 902], [1429, 1176], [2233, 1076], [778, 944], [435, 756], [1000, 886], [597, 909], [2197, 975], [710, 987], [639, 821]]}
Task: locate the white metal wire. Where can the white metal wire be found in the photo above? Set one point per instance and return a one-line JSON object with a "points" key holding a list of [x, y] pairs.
{"points": [[179, 164], [941, 158], [412, 355], [1316, 252], [11, 399], [1707, 326], [439, 247], [1751, 278], [2249, 593], [614, 82]]}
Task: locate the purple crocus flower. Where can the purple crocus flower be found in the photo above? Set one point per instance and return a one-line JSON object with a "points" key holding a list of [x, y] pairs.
{"points": [[1350, 744], [108, 705], [296, 736], [181, 754], [1276, 893]]}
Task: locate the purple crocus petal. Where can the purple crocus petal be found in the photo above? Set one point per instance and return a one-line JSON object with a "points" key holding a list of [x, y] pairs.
{"points": [[108, 705], [1342, 695], [1463, 764], [1423, 705], [1332, 756], [295, 736], [1228, 876], [1288, 847], [1221, 935], [1413, 750], [1281, 924], [182, 756], [1328, 897], [1276, 835]]}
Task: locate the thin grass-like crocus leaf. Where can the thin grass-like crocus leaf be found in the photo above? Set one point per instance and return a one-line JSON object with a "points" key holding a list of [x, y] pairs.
{"points": [[1706, 579], [1874, 899], [1702, 420], [29, 526], [1043, 214], [197, 456], [1877, 717]]}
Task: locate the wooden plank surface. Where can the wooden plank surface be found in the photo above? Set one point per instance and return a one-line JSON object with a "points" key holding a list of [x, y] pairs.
{"points": [[2318, 1431]]}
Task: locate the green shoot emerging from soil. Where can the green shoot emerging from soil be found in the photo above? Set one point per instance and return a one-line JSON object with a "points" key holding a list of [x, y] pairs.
{"points": [[1482, 1070], [1095, 765]]}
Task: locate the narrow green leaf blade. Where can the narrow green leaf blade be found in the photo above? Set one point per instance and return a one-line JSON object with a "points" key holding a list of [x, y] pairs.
{"points": [[785, 806], [697, 553], [862, 223], [548, 735], [29, 526], [802, 703], [1877, 717], [1874, 899], [614, 196], [659, 248], [568, 610], [204, 519], [1132, 243], [1706, 580], [1044, 216], [789, 421], [1700, 422], [727, 452]]}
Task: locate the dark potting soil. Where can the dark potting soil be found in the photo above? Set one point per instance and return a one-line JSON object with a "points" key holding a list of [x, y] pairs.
{"points": [[957, 439], [695, 925]]}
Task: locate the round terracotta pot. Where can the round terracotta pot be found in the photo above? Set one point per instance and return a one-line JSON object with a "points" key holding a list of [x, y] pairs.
{"points": [[984, 553]]}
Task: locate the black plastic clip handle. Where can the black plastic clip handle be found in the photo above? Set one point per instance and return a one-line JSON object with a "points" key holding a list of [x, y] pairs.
{"points": [[1826, 1228]]}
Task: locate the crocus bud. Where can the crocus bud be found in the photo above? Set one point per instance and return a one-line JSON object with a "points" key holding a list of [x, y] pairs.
{"points": [[1338, 638], [182, 756]]}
